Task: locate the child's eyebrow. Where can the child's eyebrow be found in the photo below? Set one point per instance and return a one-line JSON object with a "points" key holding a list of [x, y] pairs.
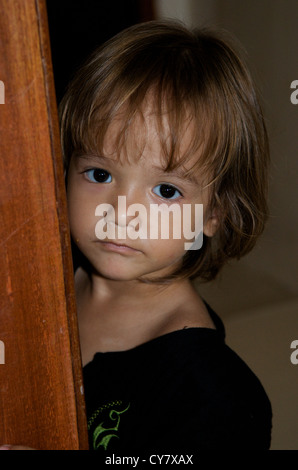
{"points": [[92, 156], [178, 172]]}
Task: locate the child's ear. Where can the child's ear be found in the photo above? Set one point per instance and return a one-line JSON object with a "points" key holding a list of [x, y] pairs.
{"points": [[211, 223]]}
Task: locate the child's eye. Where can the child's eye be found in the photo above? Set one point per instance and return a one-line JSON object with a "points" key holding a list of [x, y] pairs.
{"points": [[98, 175], [166, 191]]}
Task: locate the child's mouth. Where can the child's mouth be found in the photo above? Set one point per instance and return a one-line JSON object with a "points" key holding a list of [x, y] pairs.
{"points": [[118, 248]]}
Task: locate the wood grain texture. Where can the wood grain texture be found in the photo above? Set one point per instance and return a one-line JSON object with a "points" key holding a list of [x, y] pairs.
{"points": [[41, 388]]}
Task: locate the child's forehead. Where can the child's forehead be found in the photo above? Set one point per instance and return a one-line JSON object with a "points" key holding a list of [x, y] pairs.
{"points": [[151, 134]]}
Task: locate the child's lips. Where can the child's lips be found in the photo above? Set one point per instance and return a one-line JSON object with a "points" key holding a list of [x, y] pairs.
{"points": [[118, 247]]}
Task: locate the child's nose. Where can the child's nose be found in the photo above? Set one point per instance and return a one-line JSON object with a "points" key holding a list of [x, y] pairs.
{"points": [[121, 217], [130, 212]]}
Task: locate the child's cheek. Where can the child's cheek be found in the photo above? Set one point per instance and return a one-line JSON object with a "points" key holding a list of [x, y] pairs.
{"points": [[171, 250], [79, 218]]}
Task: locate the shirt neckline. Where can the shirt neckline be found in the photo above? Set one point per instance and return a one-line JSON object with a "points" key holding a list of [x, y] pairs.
{"points": [[217, 332], [162, 340]]}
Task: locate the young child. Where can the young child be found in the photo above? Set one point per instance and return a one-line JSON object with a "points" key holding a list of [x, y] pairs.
{"points": [[163, 115]]}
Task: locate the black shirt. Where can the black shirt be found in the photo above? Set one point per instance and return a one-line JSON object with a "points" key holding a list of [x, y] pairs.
{"points": [[184, 391]]}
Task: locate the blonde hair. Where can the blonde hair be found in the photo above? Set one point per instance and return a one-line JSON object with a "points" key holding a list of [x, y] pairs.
{"points": [[194, 74]]}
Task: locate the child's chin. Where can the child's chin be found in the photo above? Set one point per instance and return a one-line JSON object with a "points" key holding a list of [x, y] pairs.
{"points": [[118, 275]]}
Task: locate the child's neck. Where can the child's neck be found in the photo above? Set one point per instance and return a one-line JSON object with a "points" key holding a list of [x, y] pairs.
{"points": [[118, 315], [107, 298]]}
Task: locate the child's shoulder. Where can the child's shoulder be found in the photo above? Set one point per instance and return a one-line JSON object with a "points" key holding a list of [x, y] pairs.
{"points": [[191, 312]]}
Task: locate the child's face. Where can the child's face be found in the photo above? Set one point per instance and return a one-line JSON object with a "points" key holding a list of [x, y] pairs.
{"points": [[95, 180]]}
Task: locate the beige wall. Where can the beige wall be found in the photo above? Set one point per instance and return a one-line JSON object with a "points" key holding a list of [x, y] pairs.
{"points": [[257, 297]]}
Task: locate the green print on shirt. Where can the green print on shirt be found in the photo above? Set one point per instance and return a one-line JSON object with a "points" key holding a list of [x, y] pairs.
{"points": [[102, 434]]}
